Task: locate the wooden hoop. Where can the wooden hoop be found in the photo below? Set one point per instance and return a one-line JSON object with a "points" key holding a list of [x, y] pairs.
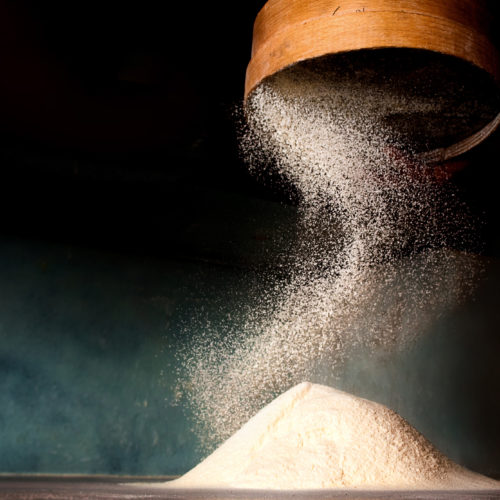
{"points": [[289, 31]]}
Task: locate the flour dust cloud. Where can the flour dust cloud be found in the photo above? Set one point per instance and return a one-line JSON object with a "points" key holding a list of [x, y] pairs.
{"points": [[373, 265]]}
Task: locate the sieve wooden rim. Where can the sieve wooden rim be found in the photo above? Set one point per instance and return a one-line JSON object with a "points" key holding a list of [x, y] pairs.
{"points": [[441, 155], [289, 31]]}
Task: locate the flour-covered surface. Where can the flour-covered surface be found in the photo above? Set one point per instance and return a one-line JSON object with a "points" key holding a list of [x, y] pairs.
{"points": [[99, 488], [316, 437]]}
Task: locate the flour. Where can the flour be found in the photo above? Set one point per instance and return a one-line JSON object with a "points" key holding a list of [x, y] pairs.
{"points": [[381, 251], [313, 436], [374, 264]]}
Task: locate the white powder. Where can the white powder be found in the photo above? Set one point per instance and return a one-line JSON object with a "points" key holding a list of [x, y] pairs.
{"points": [[371, 267], [380, 253], [313, 436]]}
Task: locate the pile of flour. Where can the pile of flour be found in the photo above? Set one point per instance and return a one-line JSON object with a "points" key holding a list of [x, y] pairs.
{"points": [[313, 437]]}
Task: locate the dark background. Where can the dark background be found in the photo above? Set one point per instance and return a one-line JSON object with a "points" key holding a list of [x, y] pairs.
{"points": [[115, 118]]}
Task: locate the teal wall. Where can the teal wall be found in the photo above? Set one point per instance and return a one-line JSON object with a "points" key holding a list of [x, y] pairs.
{"points": [[85, 360], [88, 340]]}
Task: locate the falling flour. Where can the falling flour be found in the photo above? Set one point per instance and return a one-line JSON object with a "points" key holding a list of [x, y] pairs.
{"points": [[379, 247], [313, 436], [382, 248]]}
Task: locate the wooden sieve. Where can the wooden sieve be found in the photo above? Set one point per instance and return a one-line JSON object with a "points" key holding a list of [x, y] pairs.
{"points": [[289, 32]]}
